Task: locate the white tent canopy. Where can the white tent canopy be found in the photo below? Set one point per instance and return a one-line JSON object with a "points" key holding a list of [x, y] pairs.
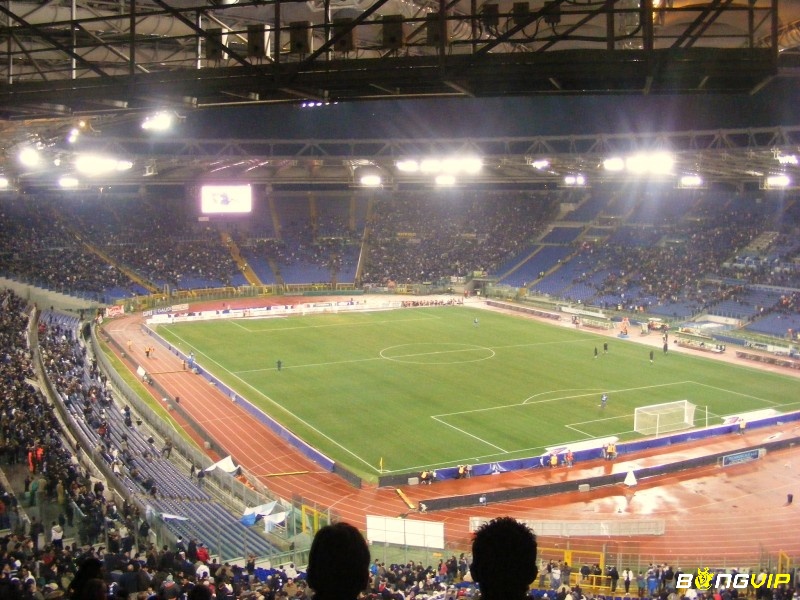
{"points": [[226, 464]]}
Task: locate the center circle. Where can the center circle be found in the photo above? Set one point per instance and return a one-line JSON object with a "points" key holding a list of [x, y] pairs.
{"points": [[436, 353]]}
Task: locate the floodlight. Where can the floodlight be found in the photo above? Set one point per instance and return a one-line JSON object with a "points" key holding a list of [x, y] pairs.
{"points": [[430, 165], [453, 165], [160, 121], [450, 165], [471, 165], [657, 163], [92, 164], [407, 166], [4, 183], [29, 157], [661, 163], [68, 182], [778, 181], [788, 159], [445, 179], [614, 164], [691, 181], [576, 180], [540, 164], [371, 180]]}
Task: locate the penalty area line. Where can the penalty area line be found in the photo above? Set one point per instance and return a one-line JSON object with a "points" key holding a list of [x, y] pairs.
{"points": [[581, 432], [467, 433]]}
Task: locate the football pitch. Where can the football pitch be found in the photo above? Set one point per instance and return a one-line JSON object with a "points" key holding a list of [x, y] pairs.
{"points": [[430, 387]]}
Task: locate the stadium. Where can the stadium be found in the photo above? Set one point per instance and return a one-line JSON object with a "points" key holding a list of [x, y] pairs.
{"points": [[408, 267]]}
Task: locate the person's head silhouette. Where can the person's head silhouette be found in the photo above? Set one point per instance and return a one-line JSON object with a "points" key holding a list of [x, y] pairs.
{"points": [[338, 563], [503, 559]]}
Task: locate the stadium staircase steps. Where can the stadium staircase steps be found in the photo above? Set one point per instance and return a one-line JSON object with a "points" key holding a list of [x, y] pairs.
{"points": [[237, 257], [128, 272], [549, 271], [365, 237], [276, 219], [276, 271], [517, 266]]}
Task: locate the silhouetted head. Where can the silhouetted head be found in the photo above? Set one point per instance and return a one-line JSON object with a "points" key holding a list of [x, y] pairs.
{"points": [[338, 563], [503, 559]]}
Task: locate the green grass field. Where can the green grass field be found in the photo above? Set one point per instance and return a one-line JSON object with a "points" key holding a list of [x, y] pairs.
{"points": [[427, 388]]}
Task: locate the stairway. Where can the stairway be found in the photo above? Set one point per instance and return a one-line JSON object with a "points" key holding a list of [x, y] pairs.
{"points": [[236, 254]]}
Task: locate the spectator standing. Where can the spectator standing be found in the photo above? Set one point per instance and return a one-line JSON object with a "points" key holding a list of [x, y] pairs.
{"points": [[641, 584], [613, 574], [555, 576], [627, 577], [202, 553], [37, 529], [57, 536]]}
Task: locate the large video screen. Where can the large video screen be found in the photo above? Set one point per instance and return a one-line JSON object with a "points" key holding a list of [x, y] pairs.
{"points": [[225, 199]]}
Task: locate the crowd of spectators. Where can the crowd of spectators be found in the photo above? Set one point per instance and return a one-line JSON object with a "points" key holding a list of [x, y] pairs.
{"points": [[32, 435], [112, 539], [685, 265], [427, 237], [40, 247], [412, 237], [156, 239]]}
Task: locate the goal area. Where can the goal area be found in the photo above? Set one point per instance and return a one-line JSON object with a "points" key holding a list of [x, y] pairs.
{"points": [[658, 419]]}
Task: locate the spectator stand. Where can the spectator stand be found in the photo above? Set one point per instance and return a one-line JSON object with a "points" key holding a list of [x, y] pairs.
{"points": [[562, 235], [147, 478], [588, 209], [536, 266]]}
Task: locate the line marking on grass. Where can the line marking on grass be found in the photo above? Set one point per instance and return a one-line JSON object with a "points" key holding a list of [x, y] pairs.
{"points": [[239, 325], [556, 399], [467, 433], [282, 408], [580, 431], [531, 344], [285, 367], [440, 417], [469, 348], [401, 356], [590, 421], [387, 358], [593, 390], [329, 325], [737, 393]]}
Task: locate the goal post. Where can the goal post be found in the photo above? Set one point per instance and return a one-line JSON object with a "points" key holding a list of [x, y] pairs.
{"points": [[657, 419]]}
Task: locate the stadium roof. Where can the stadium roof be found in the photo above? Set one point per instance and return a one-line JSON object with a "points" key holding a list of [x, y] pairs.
{"points": [[274, 91], [94, 56], [736, 157]]}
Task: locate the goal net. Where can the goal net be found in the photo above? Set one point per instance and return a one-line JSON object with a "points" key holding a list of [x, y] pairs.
{"points": [[657, 419]]}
